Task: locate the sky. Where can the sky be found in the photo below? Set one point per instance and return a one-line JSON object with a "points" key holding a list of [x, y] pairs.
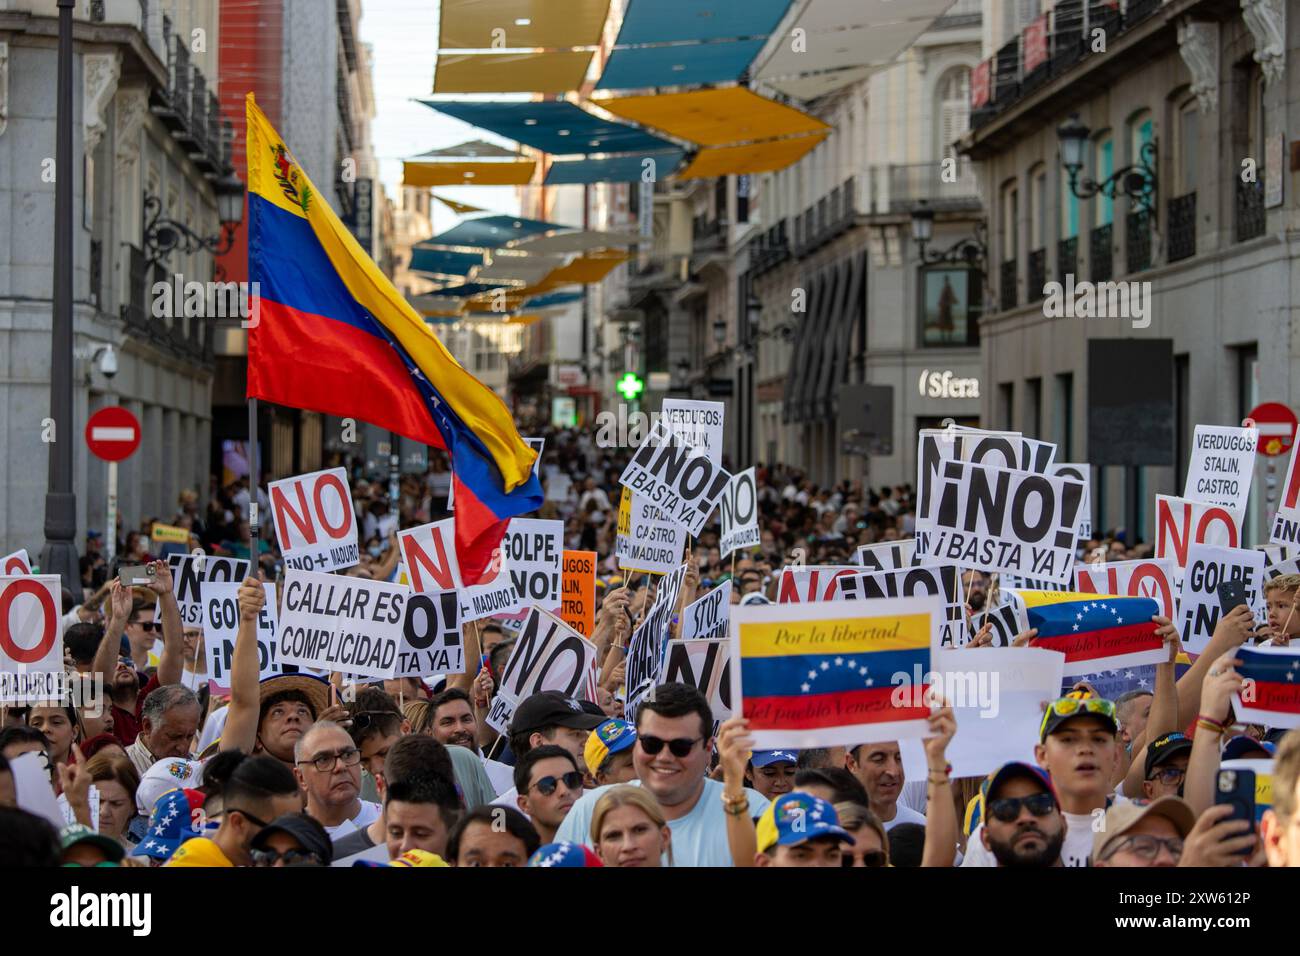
{"points": [[404, 38]]}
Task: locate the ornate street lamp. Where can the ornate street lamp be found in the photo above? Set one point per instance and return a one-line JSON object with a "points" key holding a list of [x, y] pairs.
{"points": [[1138, 181]]}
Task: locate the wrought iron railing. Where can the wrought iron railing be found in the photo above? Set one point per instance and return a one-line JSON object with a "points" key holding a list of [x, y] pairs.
{"points": [[1250, 215], [1101, 253], [1181, 216], [1007, 293], [1067, 257], [1037, 278], [1137, 240]]}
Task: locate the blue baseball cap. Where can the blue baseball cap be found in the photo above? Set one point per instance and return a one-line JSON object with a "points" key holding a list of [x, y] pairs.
{"points": [[1243, 745], [795, 818], [171, 824], [764, 758], [564, 854]]}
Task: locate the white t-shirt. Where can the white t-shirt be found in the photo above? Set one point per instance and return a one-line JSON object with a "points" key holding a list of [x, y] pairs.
{"points": [[914, 795], [367, 815], [903, 814], [699, 838]]}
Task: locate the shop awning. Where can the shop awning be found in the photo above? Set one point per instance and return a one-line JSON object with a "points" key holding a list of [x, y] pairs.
{"points": [[470, 173], [519, 270], [612, 169], [577, 241], [665, 21], [513, 72], [715, 117], [684, 64], [586, 270], [750, 158], [460, 208], [492, 232], [473, 149], [443, 262], [523, 24], [560, 128]]}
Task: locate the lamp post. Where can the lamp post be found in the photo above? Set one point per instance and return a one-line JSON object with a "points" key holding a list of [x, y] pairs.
{"points": [[1137, 181], [59, 555], [972, 251], [163, 235]]}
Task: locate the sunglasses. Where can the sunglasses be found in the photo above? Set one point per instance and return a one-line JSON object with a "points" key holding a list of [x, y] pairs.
{"points": [[678, 746], [870, 858], [290, 858], [1069, 706], [1007, 809], [148, 626], [546, 785], [247, 816]]}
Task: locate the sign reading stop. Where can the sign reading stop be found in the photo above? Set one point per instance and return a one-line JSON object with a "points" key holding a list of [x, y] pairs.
{"points": [[1277, 427], [113, 433]]}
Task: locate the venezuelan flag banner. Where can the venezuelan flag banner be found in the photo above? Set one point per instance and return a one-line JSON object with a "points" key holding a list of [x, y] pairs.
{"points": [[1263, 771], [333, 335], [1094, 631], [1272, 693], [834, 674]]}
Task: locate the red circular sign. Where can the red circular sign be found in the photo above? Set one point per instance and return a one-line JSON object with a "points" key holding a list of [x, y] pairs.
{"points": [[1277, 426], [113, 433], [49, 622]]}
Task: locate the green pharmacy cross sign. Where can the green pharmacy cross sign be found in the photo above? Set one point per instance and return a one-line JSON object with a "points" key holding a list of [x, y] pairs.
{"points": [[630, 386]]}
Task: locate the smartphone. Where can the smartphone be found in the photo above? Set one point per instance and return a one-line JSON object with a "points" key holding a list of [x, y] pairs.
{"points": [[1237, 789], [1232, 594], [134, 574]]}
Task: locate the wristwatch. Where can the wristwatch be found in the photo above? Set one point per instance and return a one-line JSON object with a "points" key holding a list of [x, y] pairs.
{"points": [[736, 805]]}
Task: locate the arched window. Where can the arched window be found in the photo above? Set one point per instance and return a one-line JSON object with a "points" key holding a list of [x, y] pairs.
{"points": [[952, 110]]}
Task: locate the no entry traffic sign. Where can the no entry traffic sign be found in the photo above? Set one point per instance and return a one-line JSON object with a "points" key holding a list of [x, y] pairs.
{"points": [[1277, 426], [113, 433]]}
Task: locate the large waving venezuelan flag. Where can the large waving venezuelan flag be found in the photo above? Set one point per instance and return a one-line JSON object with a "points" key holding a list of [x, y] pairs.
{"points": [[333, 335]]}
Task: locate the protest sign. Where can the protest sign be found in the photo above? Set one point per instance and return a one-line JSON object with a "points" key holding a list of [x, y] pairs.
{"points": [[1005, 449], [1081, 472], [940, 580], [1007, 620], [1181, 523], [1222, 466], [190, 572], [738, 507], [31, 639], [1094, 631], [684, 484], [704, 664], [1199, 608], [1279, 568], [1286, 523], [1271, 694], [645, 652], [1150, 577], [431, 639], [645, 540], [12, 565], [533, 550], [1002, 519], [578, 587], [336, 623], [429, 553], [315, 523], [221, 626], [537, 444], [1018, 582], [548, 655], [833, 674], [168, 534], [33, 791], [697, 424], [887, 555], [706, 619], [816, 582], [998, 698]]}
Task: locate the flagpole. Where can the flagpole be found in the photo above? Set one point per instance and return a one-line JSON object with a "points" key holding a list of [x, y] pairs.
{"points": [[253, 517]]}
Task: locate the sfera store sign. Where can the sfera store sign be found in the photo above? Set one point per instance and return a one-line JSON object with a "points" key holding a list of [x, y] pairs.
{"points": [[946, 384]]}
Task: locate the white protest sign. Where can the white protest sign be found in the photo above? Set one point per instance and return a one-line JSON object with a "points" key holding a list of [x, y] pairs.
{"points": [[887, 555], [431, 638], [1018, 582], [18, 563], [644, 540], [706, 619], [738, 507], [221, 627], [939, 580], [1001, 519], [337, 623], [1181, 523], [1286, 523], [697, 424], [190, 572], [548, 655], [537, 444], [31, 639], [998, 698], [533, 550], [315, 523], [1199, 609], [706, 666], [33, 790], [429, 553], [1007, 620], [814, 582], [1004, 449], [683, 482], [1081, 472], [1151, 577], [1279, 568], [645, 651], [1222, 465]]}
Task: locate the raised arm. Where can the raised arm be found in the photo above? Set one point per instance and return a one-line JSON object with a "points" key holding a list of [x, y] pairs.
{"points": [[170, 663], [940, 813], [734, 746], [1233, 630], [1163, 718], [241, 721], [1221, 682], [110, 646]]}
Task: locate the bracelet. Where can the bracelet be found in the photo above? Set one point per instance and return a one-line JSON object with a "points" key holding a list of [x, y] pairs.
{"points": [[736, 805], [1212, 726]]}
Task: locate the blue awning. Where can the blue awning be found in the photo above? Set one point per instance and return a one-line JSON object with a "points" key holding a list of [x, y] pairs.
{"points": [[467, 289], [443, 262], [611, 169], [560, 128], [492, 232], [554, 298], [663, 21], [681, 64]]}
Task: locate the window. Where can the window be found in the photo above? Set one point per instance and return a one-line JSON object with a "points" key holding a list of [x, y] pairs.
{"points": [[1182, 417], [953, 112], [1103, 164], [1064, 406], [1032, 422], [1006, 396], [1069, 205], [1007, 233], [1038, 207], [1141, 131], [1188, 146]]}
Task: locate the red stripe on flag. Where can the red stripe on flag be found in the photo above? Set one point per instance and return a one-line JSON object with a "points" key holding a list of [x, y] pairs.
{"points": [[1283, 698], [814, 711], [1112, 642]]}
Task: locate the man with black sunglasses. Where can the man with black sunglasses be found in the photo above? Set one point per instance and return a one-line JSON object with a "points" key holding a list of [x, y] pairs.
{"points": [[1022, 825], [549, 784], [328, 767]]}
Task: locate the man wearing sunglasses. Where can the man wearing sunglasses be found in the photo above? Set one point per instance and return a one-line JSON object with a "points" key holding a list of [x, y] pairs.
{"points": [[1022, 824], [549, 783], [328, 767], [258, 790]]}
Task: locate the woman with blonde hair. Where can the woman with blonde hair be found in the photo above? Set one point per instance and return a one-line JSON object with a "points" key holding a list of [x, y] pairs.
{"points": [[419, 714], [628, 828], [871, 846]]}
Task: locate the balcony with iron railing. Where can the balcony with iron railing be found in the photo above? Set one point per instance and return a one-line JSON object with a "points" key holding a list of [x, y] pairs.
{"points": [[1101, 253], [1067, 257], [829, 217], [1137, 240], [1251, 219], [1007, 293], [947, 186], [1037, 277], [181, 336], [1180, 214], [190, 109]]}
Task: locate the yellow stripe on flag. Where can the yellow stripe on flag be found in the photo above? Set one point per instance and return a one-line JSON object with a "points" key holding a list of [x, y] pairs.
{"points": [[169, 533], [1043, 598], [846, 635]]}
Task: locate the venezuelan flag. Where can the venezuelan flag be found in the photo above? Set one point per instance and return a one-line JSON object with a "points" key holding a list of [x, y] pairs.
{"points": [[1095, 631], [824, 674], [333, 335], [1274, 688]]}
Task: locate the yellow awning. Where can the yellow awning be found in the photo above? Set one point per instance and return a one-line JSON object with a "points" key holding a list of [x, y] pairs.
{"points": [[750, 158], [469, 24], [460, 208], [585, 270], [510, 72], [523, 319], [715, 117], [468, 173]]}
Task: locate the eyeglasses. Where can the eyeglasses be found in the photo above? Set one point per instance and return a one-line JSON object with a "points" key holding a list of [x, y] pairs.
{"points": [[257, 822], [290, 858], [1068, 706], [1147, 847], [325, 762], [1168, 775], [1007, 809], [546, 785], [870, 858], [678, 746], [366, 718]]}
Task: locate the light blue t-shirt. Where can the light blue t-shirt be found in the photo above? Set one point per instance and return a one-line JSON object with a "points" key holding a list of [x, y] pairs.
{"points": [[699, 838]]}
